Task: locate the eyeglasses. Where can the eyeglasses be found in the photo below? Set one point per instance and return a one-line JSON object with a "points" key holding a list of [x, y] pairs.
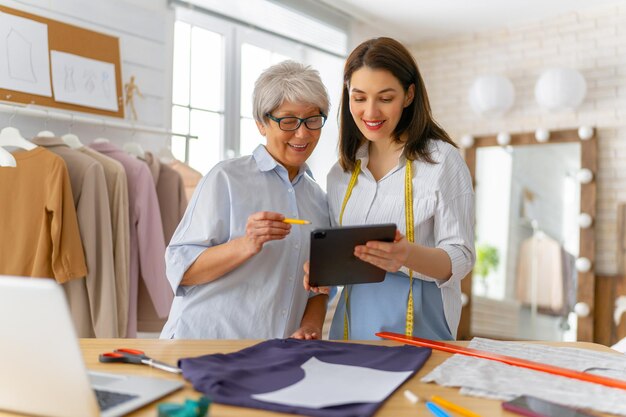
{"points": [[291, 123]]}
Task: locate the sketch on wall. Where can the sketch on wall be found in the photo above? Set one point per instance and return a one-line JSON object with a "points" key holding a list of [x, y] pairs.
{"points": [[24, 64], [83, 81]]}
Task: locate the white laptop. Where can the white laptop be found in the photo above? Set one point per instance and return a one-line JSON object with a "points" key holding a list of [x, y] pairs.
{"points": [[41, 366]]}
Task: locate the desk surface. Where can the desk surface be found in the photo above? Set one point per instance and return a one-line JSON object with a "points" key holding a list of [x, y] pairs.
{"points": [[171, 350]]}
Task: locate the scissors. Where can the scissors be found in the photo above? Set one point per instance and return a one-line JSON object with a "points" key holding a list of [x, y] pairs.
{"points": [[138, 357]]}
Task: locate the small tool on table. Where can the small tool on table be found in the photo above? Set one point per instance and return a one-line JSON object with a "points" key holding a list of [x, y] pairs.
{"points": [[124, 355]]}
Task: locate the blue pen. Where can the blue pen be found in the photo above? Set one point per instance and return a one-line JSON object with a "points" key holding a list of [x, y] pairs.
{"points": [[436, 410]]}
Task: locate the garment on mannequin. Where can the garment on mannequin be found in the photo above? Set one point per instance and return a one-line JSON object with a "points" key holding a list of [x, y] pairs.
{"points": [[134, 149], [46, 134], [72, 141]]}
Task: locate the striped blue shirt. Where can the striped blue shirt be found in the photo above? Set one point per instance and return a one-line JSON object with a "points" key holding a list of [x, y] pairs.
{"points": [[264, 297], [443, 212]]}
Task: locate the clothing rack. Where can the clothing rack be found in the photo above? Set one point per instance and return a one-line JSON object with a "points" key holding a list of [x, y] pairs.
{"points": [[32, 111]]}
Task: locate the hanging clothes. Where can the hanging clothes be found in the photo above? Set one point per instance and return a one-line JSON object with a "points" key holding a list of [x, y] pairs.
{"points": [[40, 236], [170, 192], [190, 176], [147, 246], [98, 316], [117, 188], [540, 255], [172, 204]]}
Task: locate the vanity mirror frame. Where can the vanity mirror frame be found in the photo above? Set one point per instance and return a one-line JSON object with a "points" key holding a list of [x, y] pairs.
{"points": [[586, 280]]}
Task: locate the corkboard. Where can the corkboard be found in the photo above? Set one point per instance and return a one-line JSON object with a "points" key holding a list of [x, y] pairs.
{"points": [[78, 41]]}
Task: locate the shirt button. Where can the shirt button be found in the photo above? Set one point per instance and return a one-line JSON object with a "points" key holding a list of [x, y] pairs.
{"points": [[297, 246], [291, 190], [284, 312], [290, 278]]}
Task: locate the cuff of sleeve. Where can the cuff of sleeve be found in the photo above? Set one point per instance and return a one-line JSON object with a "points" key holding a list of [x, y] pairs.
{"points": [[461, 265], [177, 261]]}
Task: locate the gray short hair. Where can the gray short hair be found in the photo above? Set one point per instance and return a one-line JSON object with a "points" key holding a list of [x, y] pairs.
{"points": [[288, 81]]}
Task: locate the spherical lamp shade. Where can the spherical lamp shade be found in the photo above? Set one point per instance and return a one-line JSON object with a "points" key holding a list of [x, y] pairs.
{"points": [[584, 176], [542, 135], [503, 138], [491, 95], [585, 132], [583, 264], [560, 89], [584, 220], [467, 141]]}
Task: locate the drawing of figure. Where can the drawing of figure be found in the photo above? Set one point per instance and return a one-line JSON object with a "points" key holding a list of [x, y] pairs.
{"points": [[130, 88], [69, 79], [106, 85], [90, 84], [19, 56]]}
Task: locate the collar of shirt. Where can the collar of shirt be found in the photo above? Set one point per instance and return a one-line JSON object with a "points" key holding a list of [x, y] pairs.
{"points": [[363, 155], [265, 162]]}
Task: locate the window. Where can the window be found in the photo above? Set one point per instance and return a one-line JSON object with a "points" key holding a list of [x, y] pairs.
{"points": [[216, 63]]}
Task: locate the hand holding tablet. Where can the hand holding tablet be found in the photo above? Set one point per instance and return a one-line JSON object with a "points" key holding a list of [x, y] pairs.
{"points": [[332, 260]]}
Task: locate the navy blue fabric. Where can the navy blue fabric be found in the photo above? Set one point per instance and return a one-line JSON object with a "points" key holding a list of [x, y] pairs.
{"points": [[274, 364]]}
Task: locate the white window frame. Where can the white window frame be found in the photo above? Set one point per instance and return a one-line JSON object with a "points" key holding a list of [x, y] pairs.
{"points": [[235, 35]]}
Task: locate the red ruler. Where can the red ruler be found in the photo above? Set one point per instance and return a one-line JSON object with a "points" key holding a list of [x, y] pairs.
{"points": [[509, 360]]}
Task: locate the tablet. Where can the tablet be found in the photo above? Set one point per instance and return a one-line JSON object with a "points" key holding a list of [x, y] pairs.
{"points": [[332, 260]]}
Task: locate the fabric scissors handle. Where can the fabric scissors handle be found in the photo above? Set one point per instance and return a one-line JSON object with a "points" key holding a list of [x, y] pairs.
{"points": [[125, 355]]}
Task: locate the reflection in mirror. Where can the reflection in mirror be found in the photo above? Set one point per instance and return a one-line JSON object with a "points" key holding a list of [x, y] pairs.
{"points": [[527, 240]]}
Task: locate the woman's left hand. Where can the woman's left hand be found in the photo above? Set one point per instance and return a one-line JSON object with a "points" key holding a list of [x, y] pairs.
{"points": [[307, 333], [390, 256]]}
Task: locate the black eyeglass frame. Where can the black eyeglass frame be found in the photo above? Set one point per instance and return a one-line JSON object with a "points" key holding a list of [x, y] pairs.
{"points": [[300, 121]]}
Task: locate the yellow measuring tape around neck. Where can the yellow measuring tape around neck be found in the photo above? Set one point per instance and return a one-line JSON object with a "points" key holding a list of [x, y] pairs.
{"points": [[408, 206]]}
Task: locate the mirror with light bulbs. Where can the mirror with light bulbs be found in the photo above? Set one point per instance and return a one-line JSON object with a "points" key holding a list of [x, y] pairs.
{"points": [[535, 209]]}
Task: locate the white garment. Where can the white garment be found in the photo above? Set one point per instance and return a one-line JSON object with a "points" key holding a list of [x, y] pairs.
{"points": [[490, 379], [443, 212]]}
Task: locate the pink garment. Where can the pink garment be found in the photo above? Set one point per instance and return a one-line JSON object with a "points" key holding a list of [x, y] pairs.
{"points": [[147, 246], [545, 253]]}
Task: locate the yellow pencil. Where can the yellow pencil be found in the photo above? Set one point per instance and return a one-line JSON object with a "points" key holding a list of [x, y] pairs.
{"points": [[296, 221], [453, 407]]}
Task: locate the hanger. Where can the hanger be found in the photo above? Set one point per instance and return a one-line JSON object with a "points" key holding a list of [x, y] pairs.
{"points": [[6, 159], [45, 134], [72, 141], [165, 155], [10, 136], [134, 149]]}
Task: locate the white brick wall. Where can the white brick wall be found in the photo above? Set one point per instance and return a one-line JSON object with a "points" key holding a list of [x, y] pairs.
{"points": [[593, 42]]}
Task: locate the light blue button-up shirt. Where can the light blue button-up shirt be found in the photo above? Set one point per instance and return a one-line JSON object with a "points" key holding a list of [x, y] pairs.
{"points": [[264, 297]]}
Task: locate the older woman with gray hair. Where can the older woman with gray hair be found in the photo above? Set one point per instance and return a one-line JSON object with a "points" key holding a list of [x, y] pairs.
{"points": [[235, 266]]}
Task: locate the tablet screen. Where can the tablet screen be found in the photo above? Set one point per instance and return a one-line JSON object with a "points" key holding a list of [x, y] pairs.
{"points": [[332, 259]]}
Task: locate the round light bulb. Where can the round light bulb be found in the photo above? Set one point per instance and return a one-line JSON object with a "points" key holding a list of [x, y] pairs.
{"points": [[585, 132], [584, 220], [583, 264], [584, 176], [464, 299], [582, 309], [503, 138], [467, 141], [542, 135]]}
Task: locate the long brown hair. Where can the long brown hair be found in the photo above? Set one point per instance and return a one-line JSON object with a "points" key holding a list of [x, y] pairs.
{"points": [[416, 120]]}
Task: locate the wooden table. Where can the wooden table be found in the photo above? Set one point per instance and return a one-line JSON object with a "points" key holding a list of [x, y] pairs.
{"points": [[171, 350]]}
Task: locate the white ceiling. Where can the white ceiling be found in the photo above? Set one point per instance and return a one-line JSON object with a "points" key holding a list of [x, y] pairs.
{"points": [[416, 20]]}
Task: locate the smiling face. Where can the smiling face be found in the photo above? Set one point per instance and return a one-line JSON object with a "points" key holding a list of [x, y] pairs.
{"points": [[291, 148], [377, 100]]}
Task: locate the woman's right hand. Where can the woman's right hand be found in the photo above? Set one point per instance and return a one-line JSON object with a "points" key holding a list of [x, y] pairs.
{"points": [[305, 281], [262, 227]]}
